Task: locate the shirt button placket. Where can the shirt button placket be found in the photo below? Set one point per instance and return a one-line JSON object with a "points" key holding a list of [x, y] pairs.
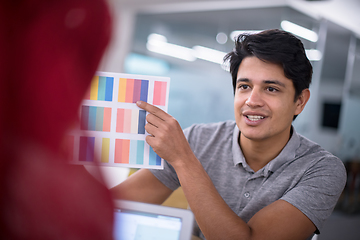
{"points": [[246, 195]]}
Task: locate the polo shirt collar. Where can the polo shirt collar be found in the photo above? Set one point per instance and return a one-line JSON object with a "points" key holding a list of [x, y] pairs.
{"points": [[238, 156], [287, 154]]}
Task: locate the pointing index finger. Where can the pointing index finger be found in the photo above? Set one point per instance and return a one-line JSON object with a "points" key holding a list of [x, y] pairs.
{"points": [[151, 109]]}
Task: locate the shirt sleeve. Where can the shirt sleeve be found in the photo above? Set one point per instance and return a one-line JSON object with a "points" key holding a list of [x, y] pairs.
{"points": [[167, 176], [316, 194]]}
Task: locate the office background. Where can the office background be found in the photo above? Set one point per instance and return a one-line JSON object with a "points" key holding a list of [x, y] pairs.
{"points": [[200, 88]]}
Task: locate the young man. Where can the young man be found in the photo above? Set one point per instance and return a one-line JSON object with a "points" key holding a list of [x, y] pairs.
{"points": [[254, 178]]}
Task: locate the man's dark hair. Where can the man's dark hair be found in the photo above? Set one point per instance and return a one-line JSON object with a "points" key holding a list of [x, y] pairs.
{"points": [[274, 46]]}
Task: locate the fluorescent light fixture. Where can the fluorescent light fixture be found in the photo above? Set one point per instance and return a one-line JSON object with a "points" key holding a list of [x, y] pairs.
{"points": [[299, 31], [236, 33], [158, 43], [209, 54], [156, 38], [313, 54]]}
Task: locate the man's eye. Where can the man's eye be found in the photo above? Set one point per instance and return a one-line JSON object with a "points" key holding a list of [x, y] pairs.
{"points": [[243, 87], [271, 89]]}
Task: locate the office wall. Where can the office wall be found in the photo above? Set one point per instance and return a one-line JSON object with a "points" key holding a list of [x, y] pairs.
{"points": [[310, 125], [349, 133]]}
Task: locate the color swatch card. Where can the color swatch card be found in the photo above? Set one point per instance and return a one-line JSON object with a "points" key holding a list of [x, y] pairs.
{"points": [[112, 128]]}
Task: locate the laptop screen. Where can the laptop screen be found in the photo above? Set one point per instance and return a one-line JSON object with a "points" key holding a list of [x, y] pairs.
{"points": [[138, 225], [143, 221]]}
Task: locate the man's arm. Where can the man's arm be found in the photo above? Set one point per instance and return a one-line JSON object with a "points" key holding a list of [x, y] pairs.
{"points": [[279, 220], [142, 186]]}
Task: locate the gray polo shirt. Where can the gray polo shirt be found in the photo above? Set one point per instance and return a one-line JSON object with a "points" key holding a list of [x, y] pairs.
{"points": [[303, 174]]}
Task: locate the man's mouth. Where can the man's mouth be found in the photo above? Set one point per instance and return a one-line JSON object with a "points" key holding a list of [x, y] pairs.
{"points": [[254, 117]]}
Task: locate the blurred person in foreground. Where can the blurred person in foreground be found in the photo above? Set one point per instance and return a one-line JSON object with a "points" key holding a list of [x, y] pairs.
{"points": [[255, 177], [50, 51]]}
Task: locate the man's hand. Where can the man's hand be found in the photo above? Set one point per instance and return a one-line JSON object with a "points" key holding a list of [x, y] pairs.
{"points": [[166, 136]]}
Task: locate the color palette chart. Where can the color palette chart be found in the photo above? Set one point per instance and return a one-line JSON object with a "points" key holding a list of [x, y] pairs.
{"points": [[130, 121], [95, 118], [133, 90], [101, 89], [112, 128]]}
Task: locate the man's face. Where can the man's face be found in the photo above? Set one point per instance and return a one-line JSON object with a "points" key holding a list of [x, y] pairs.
{"points": [[264, 101]]}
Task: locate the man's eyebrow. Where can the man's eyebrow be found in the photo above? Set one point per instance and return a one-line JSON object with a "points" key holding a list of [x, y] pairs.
{"points": [[242, 80], [276, 82]]}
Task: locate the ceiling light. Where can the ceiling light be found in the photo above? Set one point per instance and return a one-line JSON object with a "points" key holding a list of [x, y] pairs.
{"points": [[313, 54], [221, 38], [158, 43], [299, 31], [154, 37], [209, 54]]}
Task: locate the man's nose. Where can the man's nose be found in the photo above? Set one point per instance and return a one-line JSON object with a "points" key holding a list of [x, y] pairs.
{"points": [[254, 99]]}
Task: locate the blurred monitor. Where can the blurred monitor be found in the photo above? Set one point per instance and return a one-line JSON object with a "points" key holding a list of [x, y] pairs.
{"points": [[135, 220], [331, 114]]}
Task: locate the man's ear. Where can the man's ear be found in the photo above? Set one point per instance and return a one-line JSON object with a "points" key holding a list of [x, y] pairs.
{"points": [[302, 100]]}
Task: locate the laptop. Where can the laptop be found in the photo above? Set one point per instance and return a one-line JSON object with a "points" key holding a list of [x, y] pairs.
{"points": [[143, 221]]}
